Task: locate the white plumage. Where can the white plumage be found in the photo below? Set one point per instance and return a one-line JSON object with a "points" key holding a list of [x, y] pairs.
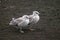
{"points": [[21, 22], [34, 18]]}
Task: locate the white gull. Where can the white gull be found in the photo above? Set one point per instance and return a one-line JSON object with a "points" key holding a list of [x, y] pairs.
{"points": [[34, 18], [20, 22]]}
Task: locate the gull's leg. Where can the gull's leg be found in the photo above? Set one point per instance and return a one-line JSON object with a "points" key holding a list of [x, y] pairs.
{"points": [[17, 28], [21, 30], [30, 28]]}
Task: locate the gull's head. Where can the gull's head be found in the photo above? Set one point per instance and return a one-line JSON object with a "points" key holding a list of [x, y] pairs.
{"points": [[12, 22], [36, 12], [26, 16]]}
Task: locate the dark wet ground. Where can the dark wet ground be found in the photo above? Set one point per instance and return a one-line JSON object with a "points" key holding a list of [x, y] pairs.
{"points": [[48, 28]]}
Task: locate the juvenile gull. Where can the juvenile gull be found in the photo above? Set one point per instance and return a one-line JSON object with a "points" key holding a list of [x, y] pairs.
{"points": [[21, 22]]}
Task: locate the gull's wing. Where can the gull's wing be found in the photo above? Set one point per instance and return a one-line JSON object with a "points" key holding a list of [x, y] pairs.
{"points": [[24, 22], [19, 20], [31, 18]]}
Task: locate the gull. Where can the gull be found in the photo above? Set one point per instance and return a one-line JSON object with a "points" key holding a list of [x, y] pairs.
{"points": [[34, 18], [20, 22]]}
